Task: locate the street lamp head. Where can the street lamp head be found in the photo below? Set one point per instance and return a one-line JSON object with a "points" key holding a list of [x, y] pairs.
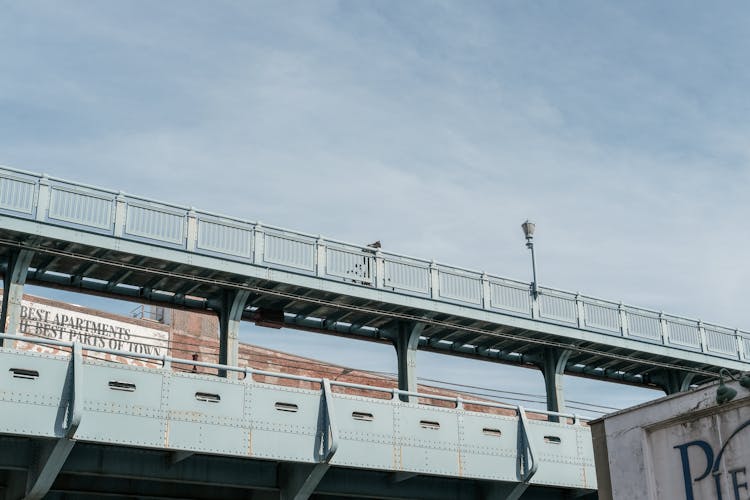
{"points": [[528, 229]]}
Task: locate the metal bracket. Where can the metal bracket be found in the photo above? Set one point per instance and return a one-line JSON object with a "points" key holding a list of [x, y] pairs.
{"points": [[298, 481], [553, 367], [230, 315], [406, 343], [332, 436], [53, 457], [527, 464]]}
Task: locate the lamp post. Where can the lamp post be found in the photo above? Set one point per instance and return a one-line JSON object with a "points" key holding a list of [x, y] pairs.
{"points": [[528, 231]]}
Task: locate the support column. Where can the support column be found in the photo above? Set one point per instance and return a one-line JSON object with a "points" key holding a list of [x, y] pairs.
{"points": [[673, 381], [553, 367], [406, 343], [13, 282], [230, 314]]}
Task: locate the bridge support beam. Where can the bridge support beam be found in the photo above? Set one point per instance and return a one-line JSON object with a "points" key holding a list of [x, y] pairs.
{"points": [[504, 491], [52, 455], [13, 283], [298, 481], [406, 342], [553, 367], [230, 315], [673, 381], [50, 461]]}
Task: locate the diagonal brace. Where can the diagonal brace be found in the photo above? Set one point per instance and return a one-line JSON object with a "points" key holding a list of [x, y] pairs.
{"points": [[52, 457], [298, 481]]}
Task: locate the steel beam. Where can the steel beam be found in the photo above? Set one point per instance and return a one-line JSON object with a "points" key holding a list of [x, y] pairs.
{"points": [[13, 282], [406, 342], [553, 367], [230, 315], [298, 481], [52, 456], [673, 381]]}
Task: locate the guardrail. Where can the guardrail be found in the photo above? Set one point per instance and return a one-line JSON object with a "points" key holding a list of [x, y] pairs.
{"points": [[156, 407], [56, 201], [166, 362]]}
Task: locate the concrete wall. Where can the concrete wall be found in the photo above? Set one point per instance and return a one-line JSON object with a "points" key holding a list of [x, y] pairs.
{"points": [[681, 447]]}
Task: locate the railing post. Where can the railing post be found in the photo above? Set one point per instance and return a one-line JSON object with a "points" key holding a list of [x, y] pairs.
{"points": [[434, 281], [623, 320], [580, 311], [379, 271], [702, 332], [664, 329], [191, 230], [740, 344], [258, 243], [486, 291], [535, 303], [42, 198], [320, 257], [120, 215]]}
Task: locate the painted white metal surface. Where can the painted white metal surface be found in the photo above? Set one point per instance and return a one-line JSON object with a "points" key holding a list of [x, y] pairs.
{"points": [[129, 218], [163, 409], [682, 447]]}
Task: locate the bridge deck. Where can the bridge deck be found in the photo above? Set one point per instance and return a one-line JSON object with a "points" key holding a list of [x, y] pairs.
{"points": [[96, 240], [81, 420]]}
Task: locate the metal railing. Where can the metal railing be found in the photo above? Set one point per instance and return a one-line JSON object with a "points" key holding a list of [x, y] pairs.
{"points": [[56, 201], [165, 362]]}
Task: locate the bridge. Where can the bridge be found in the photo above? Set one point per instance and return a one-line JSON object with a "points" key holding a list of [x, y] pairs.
{"points": [[74, 236]]}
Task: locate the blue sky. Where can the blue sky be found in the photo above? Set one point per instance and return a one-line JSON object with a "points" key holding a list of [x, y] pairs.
{"points": [[436, 127]]}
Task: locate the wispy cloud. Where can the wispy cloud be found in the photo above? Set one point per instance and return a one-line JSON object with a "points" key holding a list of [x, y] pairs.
{"points": [[435, 127]]}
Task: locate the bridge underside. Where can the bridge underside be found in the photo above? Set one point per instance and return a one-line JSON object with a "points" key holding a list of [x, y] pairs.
{"points": [[133, 276], [98, 471]]}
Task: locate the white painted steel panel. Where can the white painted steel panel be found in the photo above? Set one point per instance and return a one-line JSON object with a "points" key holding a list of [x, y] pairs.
{"points": [[644, 326], [146, 384], [601, 316], [101, 425], [425, 448], [561, 461], [283, 434], [81, 207], [353, 266], [365, 441], [17, 194], [185, 402], [684, 334], [32, 406], [213, 438], [721, 340], [510, 297], [557, 307], [289, 251], [407, 276], [486, 454], [458, 287], [155, 223], [227, 238]]}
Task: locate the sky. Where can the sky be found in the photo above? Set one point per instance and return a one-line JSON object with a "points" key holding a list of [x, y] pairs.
{"points": [[620, 128]]}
